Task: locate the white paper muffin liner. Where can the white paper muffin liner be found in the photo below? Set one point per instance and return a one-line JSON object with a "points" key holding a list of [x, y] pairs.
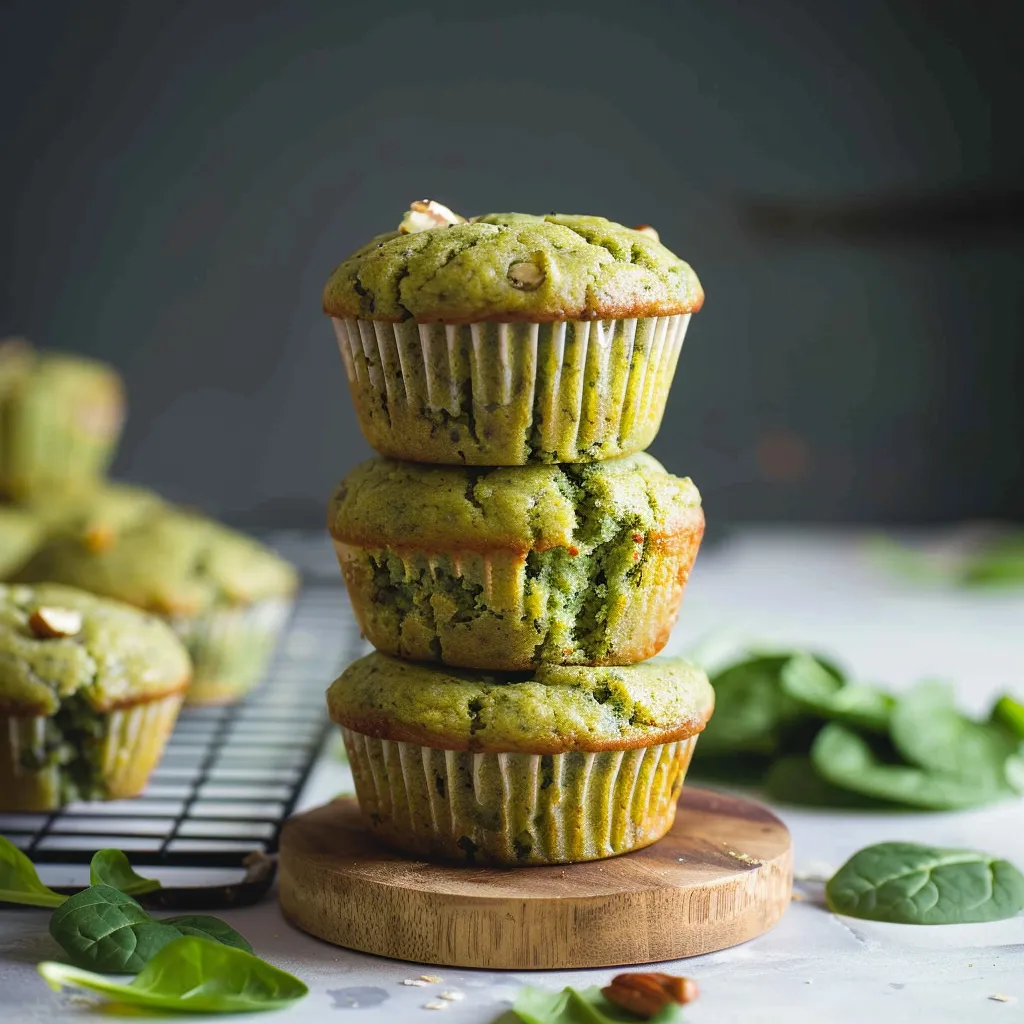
{"points": [[516, 808], [131, 744], [231, 647], [505, 394]]}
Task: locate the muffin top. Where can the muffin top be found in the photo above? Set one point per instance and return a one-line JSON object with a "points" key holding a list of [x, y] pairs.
{"points": [[511, 266], [20, 532], [126, 543], [93, 388], [404, 505], [555, 709], [93, 513], [56, 642]]}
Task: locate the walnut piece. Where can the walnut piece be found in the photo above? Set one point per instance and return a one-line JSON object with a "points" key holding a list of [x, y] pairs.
{"points": [[646, 993], [528, 277], [425, 214], [646, 229], [55, 623]]}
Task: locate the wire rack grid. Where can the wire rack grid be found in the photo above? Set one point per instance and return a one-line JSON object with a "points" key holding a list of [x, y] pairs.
{"points": [[230, 775]]}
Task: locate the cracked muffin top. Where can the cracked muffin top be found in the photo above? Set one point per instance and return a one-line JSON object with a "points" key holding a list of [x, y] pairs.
{"points": [[511, 267], [56, 642], [404, 505], [555, 709]]}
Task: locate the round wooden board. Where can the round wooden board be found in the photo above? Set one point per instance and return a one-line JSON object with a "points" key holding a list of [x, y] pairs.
{"points": [[721, 876]]}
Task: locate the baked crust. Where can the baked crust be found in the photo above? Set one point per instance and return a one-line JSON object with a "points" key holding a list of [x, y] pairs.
{"points": [[380, 727], [581, 268]]}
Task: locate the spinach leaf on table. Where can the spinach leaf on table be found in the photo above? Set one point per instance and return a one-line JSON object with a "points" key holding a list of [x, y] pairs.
{"points": [[19, 881], [206, 927], [112, 867], [730, 769], [793, 780], [905, 883], [570, 1006], [752, 713], [1009, 713], [820, 691], [104, 929], [191, 975], [929, 732], [1000, 563], [847, 760]]}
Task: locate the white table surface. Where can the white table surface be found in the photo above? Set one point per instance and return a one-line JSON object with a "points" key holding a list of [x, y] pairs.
{"points": [[800, 588]]}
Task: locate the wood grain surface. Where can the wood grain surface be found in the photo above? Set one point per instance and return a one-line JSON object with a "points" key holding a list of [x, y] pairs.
{"points": [[721, 876]]}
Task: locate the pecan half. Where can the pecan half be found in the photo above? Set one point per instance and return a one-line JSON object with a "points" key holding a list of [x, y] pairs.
{"points": [[648, 992]]}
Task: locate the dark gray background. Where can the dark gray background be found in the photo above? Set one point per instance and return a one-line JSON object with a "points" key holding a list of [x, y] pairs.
{"points": [[178, 180]]}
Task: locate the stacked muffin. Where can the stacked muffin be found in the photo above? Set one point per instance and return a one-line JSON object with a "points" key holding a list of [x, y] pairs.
{"points": [[514, 556]]}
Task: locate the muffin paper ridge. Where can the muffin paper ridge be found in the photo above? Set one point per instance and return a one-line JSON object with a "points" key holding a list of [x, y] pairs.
{"points": [[510, 393], [516, 808], [131, 745], [231, 647]]}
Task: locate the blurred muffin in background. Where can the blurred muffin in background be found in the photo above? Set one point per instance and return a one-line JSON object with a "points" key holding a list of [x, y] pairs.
{"points": [[20, 535], [60, 419], [89, 692], [226, 595]]}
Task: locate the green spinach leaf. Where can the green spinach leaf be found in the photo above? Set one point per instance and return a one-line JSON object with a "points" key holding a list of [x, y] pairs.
{"points": [[929, 732], [208, 928], [793, 780], [111, 867], [845, 759], [192, 975], [19, 881], [752, 712], [910, 884], [1009, 713], [106, 930], [818, 690], [1000, 563], [536, 1006], [729, 769]]}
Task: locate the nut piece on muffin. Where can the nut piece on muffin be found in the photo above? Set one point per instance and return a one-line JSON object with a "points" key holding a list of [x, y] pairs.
{"points": [[226, 595], [511, 338], [60, 419], [565, 764], [89, 692], [511, 568]]}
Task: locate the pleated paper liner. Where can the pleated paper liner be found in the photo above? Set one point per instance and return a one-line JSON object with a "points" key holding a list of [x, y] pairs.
{"points": [[128, 744], [498, 394], [516, 808]]}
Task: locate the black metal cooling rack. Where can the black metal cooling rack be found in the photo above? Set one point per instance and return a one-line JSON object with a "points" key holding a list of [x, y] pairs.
{"points": [[230, 776]]}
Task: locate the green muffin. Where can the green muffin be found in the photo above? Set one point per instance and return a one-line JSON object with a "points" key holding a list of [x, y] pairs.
{"points": [[60, 419], [513, 568], [511, 339], [565, 764], [89, 692], [227, 596], [20, 534]]}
